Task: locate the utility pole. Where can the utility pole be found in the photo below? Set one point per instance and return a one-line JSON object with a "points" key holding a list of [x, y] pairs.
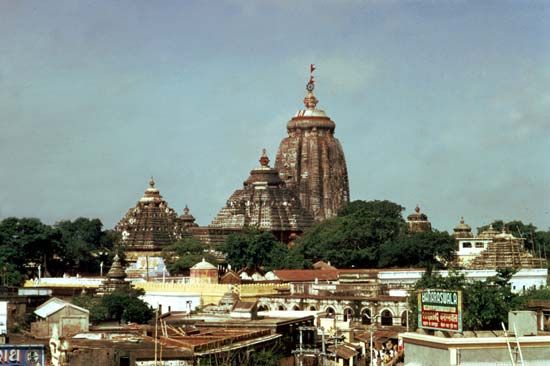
{"points": [[373, 322]]}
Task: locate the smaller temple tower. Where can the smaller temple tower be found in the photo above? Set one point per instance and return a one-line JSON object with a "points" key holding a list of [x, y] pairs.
{"points": [[151, 225], [187, 220], [417, 222], [462, 230], [506, 251], [115, 279], [265, 203]]}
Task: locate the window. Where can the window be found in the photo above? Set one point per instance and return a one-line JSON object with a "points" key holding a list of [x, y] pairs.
{"points": [[124, 361], [365, 317], [348, 314], [479, 245], [386, 318], [466, 245]]}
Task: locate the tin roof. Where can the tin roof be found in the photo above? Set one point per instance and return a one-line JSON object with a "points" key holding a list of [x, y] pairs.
{"points": [[53, 305]]}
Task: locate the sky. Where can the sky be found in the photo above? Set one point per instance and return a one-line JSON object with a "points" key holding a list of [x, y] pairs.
{"points": [[445, 104]]}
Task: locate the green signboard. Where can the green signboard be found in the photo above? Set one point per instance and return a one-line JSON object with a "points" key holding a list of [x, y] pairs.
{"points": [[440, 310]]}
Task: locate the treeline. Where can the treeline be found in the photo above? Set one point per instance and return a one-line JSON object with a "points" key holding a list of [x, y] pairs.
{"points": [[365, 234], [68, 247]]}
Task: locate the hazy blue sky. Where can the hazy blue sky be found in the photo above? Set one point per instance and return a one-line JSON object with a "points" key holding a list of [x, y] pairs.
{"points": [[441, 103]]}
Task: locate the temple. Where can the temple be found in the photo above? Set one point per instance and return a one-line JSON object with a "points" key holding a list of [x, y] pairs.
{"points": [[506, 251], [311, 160], [418, 222], [115, 279], [462, 230], [151, 225], [265, 203]]}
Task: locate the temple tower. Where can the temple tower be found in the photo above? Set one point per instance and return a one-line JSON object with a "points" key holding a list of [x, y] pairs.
{"points": [[265, 203], [311, 160], [418, 222], [150, 226], [115, 279], [462, 230]]}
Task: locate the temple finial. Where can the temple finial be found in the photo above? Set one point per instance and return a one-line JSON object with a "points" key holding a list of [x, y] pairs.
{"points": [[417, 209], [264, 159], [310, 101], [152, 182], [186, 210]]}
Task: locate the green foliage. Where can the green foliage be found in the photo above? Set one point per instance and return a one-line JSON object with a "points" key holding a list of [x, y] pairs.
{"points": [[265, 358], [184, 254], [85, 245], [259, 249], [418, 249], [26, 243], [117, 306], [537, 294], [485, 303], [355, 237]]}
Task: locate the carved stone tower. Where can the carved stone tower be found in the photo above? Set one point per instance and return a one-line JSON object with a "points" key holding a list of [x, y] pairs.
{"points": [[311, 160], [264, 202]]}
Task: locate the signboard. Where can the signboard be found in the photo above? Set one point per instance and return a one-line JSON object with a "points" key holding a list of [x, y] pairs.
{"points": [[22, 355], [440, 310]]}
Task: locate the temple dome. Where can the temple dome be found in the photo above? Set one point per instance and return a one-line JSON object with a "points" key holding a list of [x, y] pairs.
{"points": [[264, 202], [418, 222], [504, 235], [116, 271], [150, 225], [204, 265], [264, 174], [187, 219], [462, 230], [489, 233]]}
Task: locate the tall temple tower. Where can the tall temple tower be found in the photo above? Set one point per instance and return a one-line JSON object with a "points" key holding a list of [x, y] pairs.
{"points": [[311, 160]]}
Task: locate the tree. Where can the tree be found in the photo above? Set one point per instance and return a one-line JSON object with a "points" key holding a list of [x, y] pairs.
{"points": [[418, 249], [259, 249], [84, 244], [184, 254], [265, 358], [118, 306], [27, 243], [354, 237]]}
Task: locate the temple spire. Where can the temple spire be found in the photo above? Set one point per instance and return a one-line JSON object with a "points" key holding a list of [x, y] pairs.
{"points": [[310, 101], [264, 159]]}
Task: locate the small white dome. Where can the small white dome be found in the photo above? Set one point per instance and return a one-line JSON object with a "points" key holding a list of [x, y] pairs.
{"points": [[204, 265]]}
